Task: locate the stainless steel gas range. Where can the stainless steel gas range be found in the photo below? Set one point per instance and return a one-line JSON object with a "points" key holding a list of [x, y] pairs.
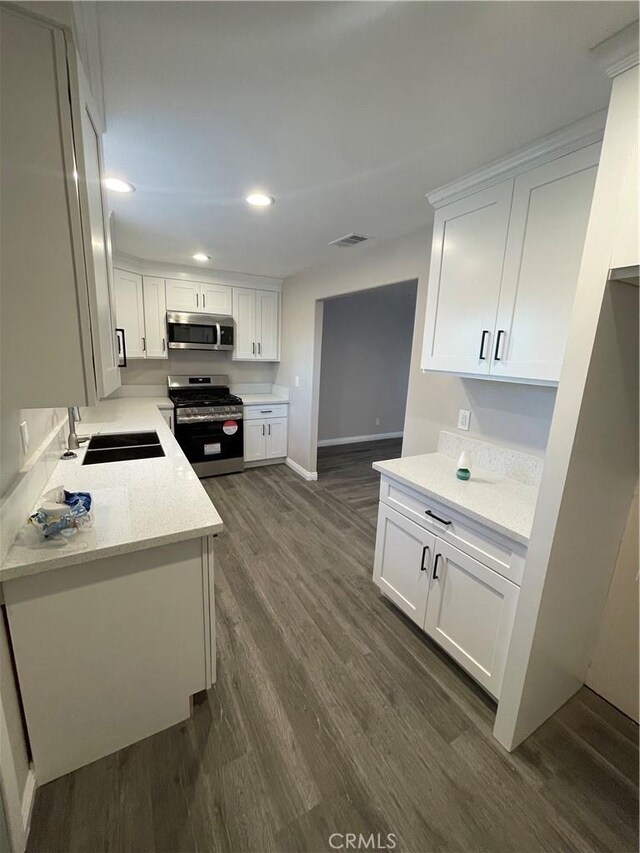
{"points": [[208, 423]]}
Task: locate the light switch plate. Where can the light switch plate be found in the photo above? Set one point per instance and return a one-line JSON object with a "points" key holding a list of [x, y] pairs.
{"points": [[464, 419]]}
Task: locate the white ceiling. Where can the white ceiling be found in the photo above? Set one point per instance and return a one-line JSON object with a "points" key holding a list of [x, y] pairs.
{"points": [[346, 112]]}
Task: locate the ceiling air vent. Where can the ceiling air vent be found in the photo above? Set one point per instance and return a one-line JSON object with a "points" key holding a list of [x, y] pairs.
{"points": [[349, 240]]}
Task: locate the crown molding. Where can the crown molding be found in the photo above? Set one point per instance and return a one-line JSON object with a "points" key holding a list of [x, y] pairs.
{"points": [[619, 52], [578, 135], [188, 273]]}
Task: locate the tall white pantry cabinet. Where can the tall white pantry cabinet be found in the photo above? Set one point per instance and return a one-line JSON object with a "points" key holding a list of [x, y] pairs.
{"points": [[504, 268]]}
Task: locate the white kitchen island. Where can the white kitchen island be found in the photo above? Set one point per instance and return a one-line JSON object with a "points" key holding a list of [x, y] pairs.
{"points": [[114, 631]]}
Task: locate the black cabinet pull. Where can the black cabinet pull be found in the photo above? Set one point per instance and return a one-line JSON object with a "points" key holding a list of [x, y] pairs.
{"points": [[482, 356], [423, 568], [436, 576], [496, 357], [436, 517]]}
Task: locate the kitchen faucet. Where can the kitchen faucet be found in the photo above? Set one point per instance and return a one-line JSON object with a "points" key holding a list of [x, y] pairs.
{"points": [[73, 442]]}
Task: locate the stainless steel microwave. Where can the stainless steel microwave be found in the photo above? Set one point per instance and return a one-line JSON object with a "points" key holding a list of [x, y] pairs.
{"points": [[200, 331]]}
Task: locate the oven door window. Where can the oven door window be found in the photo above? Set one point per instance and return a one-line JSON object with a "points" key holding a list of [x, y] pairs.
{"points": [[208, 441], [189, 333]]}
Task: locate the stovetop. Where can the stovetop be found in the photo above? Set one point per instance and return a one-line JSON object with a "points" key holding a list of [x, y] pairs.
{"points": [[204, 398]]}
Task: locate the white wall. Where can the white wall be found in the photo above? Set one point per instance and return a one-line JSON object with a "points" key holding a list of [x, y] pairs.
{"points": [[514, 415], [366, 351], [619, 629]]}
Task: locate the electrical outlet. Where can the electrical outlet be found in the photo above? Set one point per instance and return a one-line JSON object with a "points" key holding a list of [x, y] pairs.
{"points": [[296, 382], [24, 436], [377, 421], [464, 419]]}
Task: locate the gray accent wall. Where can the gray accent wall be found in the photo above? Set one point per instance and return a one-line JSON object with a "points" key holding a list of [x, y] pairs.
{"points": [[366, 352]]}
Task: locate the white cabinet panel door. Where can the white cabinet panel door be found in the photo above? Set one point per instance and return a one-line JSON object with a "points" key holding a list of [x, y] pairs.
{"points": [[467, 256], [255, 436], [470, 614], [402, 564], [167, 414], [103, 325], [217, 299], [244, 313], [183, 295], [549, 217], [268, 325], [155, 311], [130, 311], [276, 438]]}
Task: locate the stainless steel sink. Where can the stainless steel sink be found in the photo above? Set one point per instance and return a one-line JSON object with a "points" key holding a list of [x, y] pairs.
{"points": [[122, 447], [122, 439]]}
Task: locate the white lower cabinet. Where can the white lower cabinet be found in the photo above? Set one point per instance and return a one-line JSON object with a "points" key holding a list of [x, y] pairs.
{"points": [[402, 564], [462, 604], [167, 414], [470, 613], [265, 432]]}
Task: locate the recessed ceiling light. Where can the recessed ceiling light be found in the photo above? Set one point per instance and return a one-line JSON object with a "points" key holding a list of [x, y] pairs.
{"points": [[260, 199], [200, 256], [119, 186]]}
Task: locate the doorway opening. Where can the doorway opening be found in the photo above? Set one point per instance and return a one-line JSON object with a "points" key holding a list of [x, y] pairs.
{"points": [[364, 373]]}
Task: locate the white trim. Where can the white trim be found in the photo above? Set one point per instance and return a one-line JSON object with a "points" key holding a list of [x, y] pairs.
{"points": [[619, 52], [28, 799], [300, 471], [190, 273], [355, 439], [578, 135], [261, 463]]}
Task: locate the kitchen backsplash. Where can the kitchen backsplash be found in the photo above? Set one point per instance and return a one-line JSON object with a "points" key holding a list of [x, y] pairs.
{"points": [[155, 372]]}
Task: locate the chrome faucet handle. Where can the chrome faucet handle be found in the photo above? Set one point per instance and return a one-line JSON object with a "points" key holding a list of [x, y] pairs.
{"points": [[76, 413]]}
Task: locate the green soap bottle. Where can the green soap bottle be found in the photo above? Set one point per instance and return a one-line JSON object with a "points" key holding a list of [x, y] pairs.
{"points": [[464, 466]]}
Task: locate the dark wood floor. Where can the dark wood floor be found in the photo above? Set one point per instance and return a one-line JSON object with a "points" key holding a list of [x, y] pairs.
{"points": [[333, 714]]}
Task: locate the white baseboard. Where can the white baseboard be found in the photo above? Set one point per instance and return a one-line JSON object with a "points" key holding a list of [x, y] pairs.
{"points": [[300, 471], [28, 799], [355, 439]]}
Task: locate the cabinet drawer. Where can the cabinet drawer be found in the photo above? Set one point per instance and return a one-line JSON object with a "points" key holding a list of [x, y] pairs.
{"points": [[497, 552], [266, 412]]}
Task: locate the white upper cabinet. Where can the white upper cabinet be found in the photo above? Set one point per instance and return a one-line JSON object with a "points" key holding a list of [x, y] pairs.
{"points": [[97, 244], [45, 327], [547, 229], [217, 299], [257, 317], [130, 311], [155, 312], [199, 297], [141, 311], [244, 314], [469, 238], [183, 295], [504, 268], [268, 324]]}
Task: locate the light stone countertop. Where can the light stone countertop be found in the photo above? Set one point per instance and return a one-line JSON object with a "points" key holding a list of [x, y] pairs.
{"points": [[138, 504], [504, 505], [262, 399]]}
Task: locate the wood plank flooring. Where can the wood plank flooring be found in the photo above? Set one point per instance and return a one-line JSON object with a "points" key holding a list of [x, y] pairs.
{"points": [[333, 714]]}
